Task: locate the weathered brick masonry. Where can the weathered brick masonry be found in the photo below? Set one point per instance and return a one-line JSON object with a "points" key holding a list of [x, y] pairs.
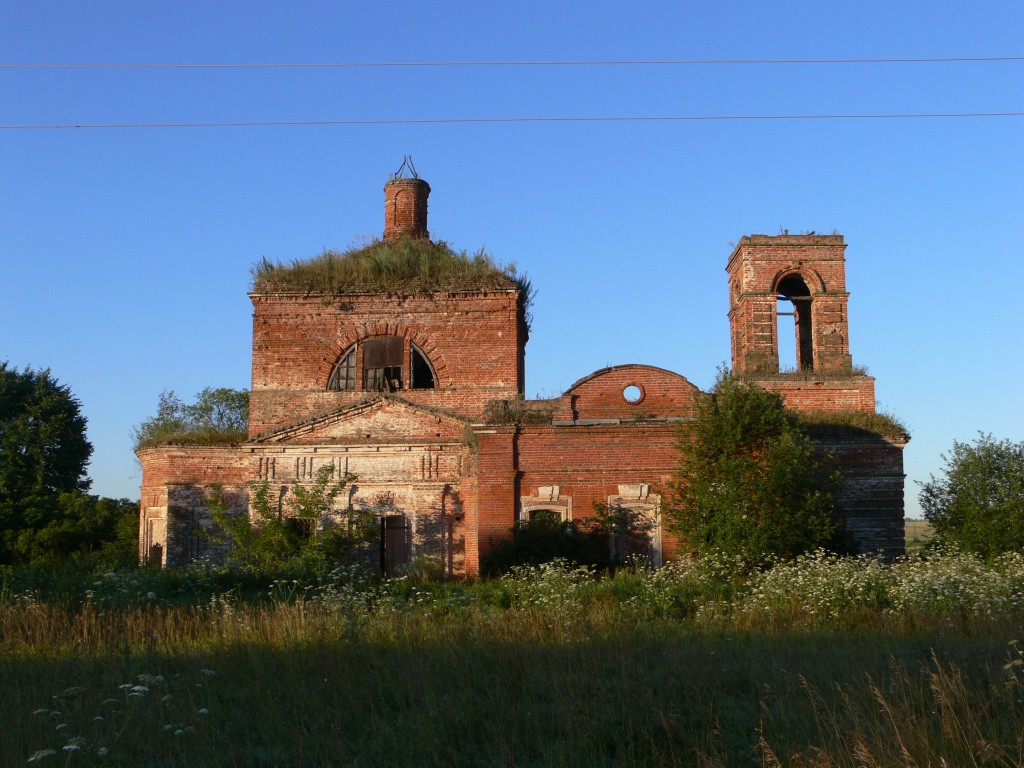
{"points": [[419, 394], [472, 340]]}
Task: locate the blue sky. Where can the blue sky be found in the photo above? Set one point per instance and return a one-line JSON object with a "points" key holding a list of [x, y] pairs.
{"points": [[126, 252]]}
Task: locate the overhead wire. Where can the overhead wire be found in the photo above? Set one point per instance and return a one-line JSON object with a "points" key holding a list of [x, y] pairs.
{"points": [[465, 120], [510, 63], [528, 119]]}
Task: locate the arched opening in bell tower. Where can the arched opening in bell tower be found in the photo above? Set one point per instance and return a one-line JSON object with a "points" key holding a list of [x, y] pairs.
{"points": [[796, 338]]}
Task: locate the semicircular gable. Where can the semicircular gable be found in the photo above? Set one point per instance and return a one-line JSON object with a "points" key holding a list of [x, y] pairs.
{"points": [[633, 391]]}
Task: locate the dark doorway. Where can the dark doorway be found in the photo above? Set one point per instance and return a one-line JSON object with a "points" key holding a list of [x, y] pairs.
{"points": [[394, 543]]}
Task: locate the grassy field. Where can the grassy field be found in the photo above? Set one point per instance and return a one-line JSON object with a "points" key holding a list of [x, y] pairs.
{"points": [[816, 663], [917, 533]]}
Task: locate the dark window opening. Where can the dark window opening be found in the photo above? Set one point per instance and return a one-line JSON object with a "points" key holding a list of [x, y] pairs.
{"points": [[303, 526], [387, 379], [799, 347], [198, 541], [422, 373], [343, 377]]}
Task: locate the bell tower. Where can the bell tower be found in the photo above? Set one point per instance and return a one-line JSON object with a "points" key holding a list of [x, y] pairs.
{"points": [[772, 278]]}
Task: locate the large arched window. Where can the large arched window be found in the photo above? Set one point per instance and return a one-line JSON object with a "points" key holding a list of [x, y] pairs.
{"points": [[382, 364], [794, 290]]}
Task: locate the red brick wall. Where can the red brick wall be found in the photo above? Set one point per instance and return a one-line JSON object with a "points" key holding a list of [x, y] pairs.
{"points": [[496, 493], [825, 395], [590, 462], [587, 462], [472, 339]]}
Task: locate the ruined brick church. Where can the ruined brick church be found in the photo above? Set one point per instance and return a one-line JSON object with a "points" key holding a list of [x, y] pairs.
{"points": [[418, 394]]}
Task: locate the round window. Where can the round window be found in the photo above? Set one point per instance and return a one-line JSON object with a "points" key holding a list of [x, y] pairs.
{"points": [[633, 393]]}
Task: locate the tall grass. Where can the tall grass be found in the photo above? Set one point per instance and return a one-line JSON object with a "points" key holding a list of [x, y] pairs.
{"points": [[819, 662], [408, 264]]}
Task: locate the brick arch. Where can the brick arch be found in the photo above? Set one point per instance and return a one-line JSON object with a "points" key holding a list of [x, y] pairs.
{"points": [[374, 329], [810, 277]]}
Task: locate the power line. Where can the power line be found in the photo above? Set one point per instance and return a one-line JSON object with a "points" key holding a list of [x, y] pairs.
{"points": [[466, 120], [539, 63]]}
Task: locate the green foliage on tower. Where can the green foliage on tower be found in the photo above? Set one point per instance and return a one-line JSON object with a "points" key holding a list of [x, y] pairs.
{"points": [[750, 482]]}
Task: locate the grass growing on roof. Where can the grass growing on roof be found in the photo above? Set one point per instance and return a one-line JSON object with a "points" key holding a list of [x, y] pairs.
{"points": [[408, 264], [852, 423], [762, 368]]}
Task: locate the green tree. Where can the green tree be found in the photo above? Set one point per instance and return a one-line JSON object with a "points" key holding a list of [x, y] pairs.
{"points": [[978, 502], [43, 453], [90, 530], [750, 482], [43, 450], [217, 416]]}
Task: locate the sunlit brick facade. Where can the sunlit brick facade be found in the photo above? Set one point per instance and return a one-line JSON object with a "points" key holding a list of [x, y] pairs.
{"points": [[419, 396]]}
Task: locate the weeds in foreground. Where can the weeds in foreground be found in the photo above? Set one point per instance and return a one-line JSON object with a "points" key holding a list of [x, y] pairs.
{"points": [[821, 661]]}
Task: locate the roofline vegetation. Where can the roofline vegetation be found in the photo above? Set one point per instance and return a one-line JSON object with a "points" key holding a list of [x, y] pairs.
{"points": [[406, 265]]}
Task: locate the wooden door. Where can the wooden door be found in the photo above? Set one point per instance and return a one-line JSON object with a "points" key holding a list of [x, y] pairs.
{"points": [[394, 543]]}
